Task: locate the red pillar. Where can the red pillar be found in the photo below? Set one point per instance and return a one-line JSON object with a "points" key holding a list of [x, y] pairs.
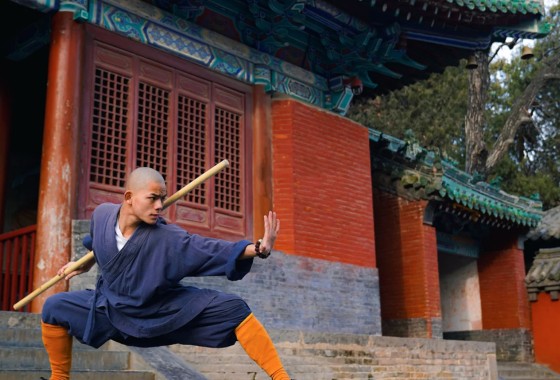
{"points": [[262, 159], [408, 268], [503, 296], [57, 185], [5, 116]]}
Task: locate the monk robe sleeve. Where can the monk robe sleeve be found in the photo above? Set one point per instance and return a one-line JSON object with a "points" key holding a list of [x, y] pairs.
{"points": [[203, 256]]}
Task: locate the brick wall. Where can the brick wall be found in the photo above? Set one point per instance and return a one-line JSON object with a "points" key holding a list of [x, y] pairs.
{"points": [[322, 184], [512, 345], [408, 269], [501, 272], [294, 292]]}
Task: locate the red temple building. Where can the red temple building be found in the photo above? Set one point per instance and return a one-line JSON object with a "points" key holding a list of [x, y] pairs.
{"points": [[389, 261]]}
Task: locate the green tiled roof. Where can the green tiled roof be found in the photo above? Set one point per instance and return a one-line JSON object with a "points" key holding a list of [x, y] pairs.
{"points": [[512, 6], [418, 168], [490, 200]]}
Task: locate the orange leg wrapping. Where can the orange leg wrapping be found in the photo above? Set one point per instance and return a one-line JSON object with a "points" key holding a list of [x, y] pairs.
{"points": [[59, 347], [254, 339]]}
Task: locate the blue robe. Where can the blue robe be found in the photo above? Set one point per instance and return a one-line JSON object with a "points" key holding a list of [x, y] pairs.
{"points": [[138, 292]]}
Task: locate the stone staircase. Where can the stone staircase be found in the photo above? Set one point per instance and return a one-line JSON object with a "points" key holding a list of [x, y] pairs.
{"points": [[326, 357], [525, 371], [307, 356], [23, 356], [301, 363]]}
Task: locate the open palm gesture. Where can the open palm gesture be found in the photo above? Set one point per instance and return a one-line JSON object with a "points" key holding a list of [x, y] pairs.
{"points": [[271, 228]]}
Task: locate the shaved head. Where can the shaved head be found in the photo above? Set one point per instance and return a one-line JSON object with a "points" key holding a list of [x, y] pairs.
{"points": [[144, 197], [141, 177]]}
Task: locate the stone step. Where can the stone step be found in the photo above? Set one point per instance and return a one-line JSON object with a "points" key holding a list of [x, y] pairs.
{"points": [[13, 319], [77, 375], [21, 343], [525, 371], [36, 358], [318, 374], [22, 337], [349, 356], [233, 362], [529, 377], [529, 372]]}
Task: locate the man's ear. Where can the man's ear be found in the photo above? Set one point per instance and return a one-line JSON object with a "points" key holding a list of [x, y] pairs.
{"points": [[128, 197]]}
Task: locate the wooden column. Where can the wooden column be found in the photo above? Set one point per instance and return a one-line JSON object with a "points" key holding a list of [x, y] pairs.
{"points": [[57, 187], [5, 116], [262, 159]]}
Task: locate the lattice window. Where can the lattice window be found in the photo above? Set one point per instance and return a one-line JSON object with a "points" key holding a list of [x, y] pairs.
{"points": [[178, 119], [227, 126], [191, 146], [109, 121], [153, 115]]}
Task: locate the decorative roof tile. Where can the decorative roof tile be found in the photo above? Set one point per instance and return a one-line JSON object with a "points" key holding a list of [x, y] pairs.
{"points": [[544, 274], [481, 196], [386, 44], [548, 227], [511, 6], [413, 164]]}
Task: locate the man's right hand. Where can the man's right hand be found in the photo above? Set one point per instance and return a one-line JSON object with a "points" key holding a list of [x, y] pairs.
{"points": [[84, 268]]}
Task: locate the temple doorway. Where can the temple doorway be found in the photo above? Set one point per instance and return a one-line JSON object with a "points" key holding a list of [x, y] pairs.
{"points": [[459, 293]]}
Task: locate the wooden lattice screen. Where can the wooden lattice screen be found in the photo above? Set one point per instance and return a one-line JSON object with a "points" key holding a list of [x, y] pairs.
{"points": [[179, 122], [228, 195], [108, 128]]}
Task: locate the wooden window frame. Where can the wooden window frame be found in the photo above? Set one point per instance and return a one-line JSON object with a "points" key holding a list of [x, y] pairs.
{"points": [[225, 94]]}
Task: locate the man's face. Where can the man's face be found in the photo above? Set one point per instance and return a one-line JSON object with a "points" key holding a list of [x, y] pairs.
{"points": [[147, 202]]}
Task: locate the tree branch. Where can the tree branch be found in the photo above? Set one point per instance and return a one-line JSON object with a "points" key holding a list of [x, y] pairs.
{"points": [[519, 109], [552, 76]]}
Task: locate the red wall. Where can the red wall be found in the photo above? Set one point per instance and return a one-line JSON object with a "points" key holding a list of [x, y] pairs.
{"points": [[503, 296], [546, 331], [407, 259], [322, 184]]}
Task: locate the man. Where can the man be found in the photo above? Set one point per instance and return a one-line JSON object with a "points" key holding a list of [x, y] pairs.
{"points": [[138, 299]]}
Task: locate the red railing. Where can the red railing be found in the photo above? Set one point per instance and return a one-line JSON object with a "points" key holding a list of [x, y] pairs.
{"points": [[17, 251]]}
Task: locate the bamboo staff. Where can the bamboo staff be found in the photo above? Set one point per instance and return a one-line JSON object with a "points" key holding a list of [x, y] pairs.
{"points": [[89, 256]]}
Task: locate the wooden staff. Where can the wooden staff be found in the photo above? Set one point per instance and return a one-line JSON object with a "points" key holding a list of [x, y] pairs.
{"points": [[89, 256]]}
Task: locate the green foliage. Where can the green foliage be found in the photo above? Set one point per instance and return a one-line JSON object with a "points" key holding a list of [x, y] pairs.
{"points": [[540, 182], [435, 110], [535, 157]]}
